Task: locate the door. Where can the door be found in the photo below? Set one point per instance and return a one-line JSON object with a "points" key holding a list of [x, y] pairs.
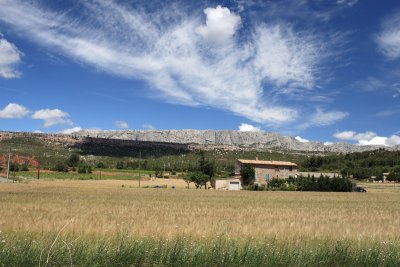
{"points": [[234, 186]]}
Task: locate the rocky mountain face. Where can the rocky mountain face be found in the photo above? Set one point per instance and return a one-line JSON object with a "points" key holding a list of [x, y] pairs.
{"points": [[226, 139], [191, 139]]}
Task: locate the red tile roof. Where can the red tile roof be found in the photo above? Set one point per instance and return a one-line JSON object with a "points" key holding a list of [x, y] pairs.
{"points": [[267, 162]]}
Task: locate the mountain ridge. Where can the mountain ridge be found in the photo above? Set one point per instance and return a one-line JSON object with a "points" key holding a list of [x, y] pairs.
{"points": [[200, 139]]}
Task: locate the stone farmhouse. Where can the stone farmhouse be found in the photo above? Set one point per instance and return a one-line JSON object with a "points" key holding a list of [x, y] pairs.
{"points": [[266, 170]]}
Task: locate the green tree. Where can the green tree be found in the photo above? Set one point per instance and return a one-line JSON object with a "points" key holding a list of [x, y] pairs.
{"points": [[199, 179], [247, 173], [207, 167], [73, 160], [187, 178]]}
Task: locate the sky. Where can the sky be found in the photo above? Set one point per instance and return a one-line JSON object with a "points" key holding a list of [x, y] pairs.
{"points": [[321, 70]]}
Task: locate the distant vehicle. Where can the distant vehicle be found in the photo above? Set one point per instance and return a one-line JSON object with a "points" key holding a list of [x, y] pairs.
{"points": [[359, 189]]}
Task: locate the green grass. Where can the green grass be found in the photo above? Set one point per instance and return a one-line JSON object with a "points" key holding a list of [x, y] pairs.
{"points": [[123, 250]]}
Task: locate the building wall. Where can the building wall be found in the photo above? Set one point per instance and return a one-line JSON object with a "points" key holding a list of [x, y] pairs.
{"points": [[228, 184], [264, 173]]}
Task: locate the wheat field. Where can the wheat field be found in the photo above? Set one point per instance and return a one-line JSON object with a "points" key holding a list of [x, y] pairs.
{"points": [[101, 208]]}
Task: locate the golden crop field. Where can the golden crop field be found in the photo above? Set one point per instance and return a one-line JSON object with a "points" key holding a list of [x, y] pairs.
{"points": [[103, 208]]}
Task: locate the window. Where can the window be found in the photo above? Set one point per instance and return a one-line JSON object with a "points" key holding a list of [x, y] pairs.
{"points": [[267, 177], [290, 168]]}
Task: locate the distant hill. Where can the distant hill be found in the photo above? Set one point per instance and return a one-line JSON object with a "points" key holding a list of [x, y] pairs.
{"points": [[227, 139], [187, 140]]}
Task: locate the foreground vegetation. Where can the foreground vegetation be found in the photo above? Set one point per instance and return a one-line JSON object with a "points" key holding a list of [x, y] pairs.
{"points": [[123, 250], [114, 223]]}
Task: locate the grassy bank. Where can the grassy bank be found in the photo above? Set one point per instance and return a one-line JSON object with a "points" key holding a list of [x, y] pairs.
{"points": [[123, 250]]}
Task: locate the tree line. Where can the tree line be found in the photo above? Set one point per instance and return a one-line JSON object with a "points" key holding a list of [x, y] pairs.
{"points": [[359, 165]]}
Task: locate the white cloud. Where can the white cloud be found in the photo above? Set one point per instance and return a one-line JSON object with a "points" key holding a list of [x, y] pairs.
{"points": [[347, 2], [302, 140], [376, 141], [52, 117], [220, 26], [71, 130], [323, 118], [351, 135], [394, 140], [368, 138], [388, 39], [13, 111], [244, 127], [122, 124], [328, 143], [172, 53], [10, 57], [148, 127]]}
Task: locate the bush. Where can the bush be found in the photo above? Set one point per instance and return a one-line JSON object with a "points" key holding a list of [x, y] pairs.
{"points": [[84, 168], [120, 165], [24, 168], [275, 183], [14, 167], [101, 165], [73, 160], [324, 183], [60, 167]]}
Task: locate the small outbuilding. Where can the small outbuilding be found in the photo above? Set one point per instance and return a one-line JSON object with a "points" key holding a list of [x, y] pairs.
{"points": [[227, 183]]}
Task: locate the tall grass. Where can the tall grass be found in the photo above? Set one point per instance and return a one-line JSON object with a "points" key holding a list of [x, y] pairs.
{"points": [[101, 223], [124, 250]]}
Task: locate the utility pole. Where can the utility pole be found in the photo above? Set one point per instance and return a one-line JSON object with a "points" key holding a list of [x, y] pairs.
{"points": [[8, 164], [140, 159]]}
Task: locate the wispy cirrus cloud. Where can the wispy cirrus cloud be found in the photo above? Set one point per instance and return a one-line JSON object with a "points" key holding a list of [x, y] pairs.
{"points": [[147, 126], [388, 39], [323, 118], [189, 58], [121, 124], [10, 57]]}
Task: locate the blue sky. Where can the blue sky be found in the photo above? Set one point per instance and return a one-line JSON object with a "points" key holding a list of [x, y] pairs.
{"points": [[320, 70]]}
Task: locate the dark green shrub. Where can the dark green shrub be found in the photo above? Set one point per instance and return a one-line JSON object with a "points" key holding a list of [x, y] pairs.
{"points": [[247, 173], [60, 167], [120, 165], [24, 168], [84, 168], [73, 160], [14, 167], [101, 165], [275, 183]]}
